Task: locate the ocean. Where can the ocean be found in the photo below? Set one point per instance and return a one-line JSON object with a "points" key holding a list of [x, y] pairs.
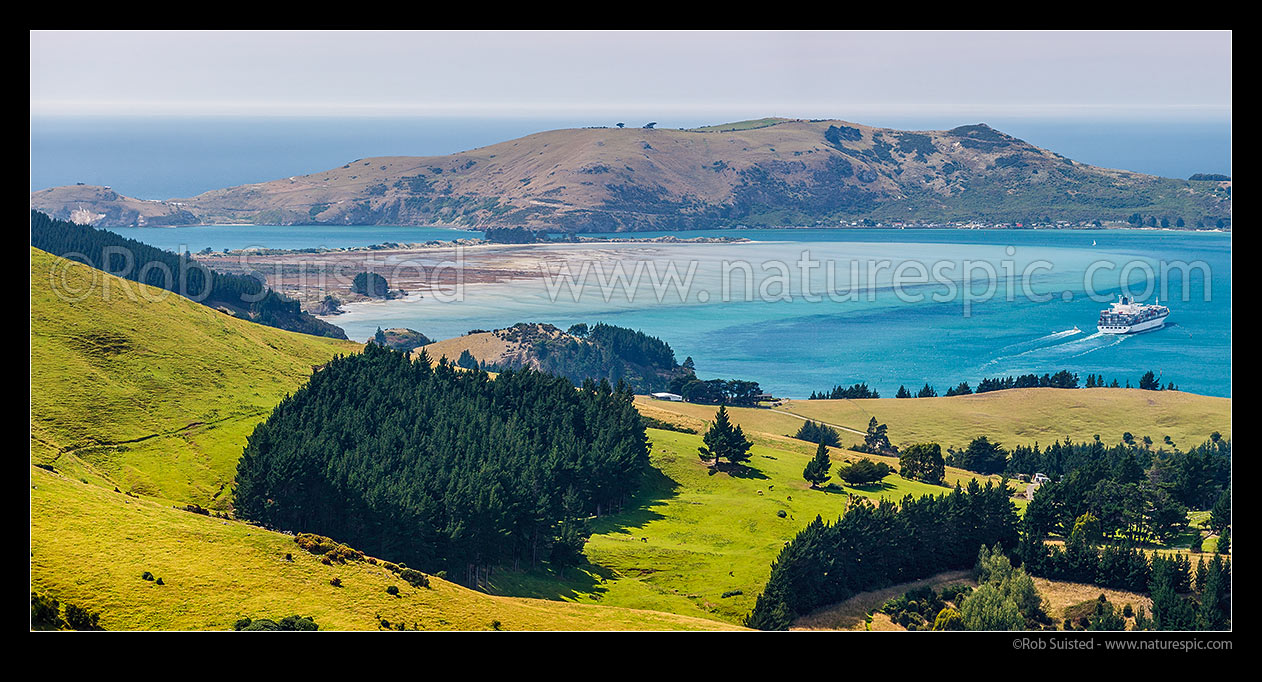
{"points": [[884, 307]]}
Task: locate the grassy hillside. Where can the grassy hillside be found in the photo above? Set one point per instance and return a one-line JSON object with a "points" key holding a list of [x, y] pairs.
{"points": [[90, 546], [1013, 417], [1026, 415], [148, 389], [692, 536], [759, 172]]}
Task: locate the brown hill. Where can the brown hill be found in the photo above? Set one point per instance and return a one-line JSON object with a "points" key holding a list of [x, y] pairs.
{"points": [[765, 172]]}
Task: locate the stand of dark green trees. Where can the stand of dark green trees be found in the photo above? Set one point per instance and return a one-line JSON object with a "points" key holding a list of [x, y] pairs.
{"points": [[822, 434], [247, 297], [1180, 602], [858, 391], [645, 363], [875, 546], [1136, 494], [443, 469]]}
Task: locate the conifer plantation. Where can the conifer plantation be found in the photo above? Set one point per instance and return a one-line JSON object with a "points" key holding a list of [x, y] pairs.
{"points": [[443, 468], [246, 297], [874, 546]]}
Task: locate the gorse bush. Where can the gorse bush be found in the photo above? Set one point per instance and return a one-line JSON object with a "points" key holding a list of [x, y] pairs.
{"points": [[414, 577], [332, 551]]}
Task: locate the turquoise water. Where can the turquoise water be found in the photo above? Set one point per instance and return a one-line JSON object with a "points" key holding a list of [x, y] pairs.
{"points": [[794, 338]]}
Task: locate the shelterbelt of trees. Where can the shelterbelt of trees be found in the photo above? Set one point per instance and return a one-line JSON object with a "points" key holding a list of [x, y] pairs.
{"points": [[247, 297], [443, 468], [1061, 379], [873, 547]]}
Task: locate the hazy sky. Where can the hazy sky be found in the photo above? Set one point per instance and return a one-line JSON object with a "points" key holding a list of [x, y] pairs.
{"points": [[861, 75]]}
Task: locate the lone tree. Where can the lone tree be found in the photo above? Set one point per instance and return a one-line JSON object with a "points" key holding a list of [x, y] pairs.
{"points": [[622, 125], [816, 471], [724, 441], [1150, 382], [982, 456], [864, 472], [922, 462], [876, 441]]}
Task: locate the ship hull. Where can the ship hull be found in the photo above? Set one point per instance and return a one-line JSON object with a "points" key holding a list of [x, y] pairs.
{"points": [[1146, 325]]}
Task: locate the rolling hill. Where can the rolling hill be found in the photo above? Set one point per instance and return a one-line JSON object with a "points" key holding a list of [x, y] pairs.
{"points": [[91, 546], [645, 363], [141, 402], [148, 389], [1013, 417], [764, 172]]}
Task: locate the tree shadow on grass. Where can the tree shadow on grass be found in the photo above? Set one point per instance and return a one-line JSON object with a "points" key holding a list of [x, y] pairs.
{"points": [[656, 489], [587, 580], [878, 487], [548, 582], [739, 471]]}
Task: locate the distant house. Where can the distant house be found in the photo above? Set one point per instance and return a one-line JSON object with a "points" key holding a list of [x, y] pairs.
{"points": [[673, 397], [1040, 479]]}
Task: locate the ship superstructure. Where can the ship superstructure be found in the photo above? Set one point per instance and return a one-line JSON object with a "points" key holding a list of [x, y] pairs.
{"points": [[1128, 317]]}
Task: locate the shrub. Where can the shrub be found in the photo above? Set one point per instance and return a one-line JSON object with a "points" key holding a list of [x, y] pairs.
{"points": [[336, 582], [146, 576], [45, 613], [78, 618], [333, 551], [948, 619], [781, 513], [864, 472], [392, 590], [414, 577], [286, 624]]}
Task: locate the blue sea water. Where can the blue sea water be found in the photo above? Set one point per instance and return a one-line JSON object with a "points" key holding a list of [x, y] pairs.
{"points": [[795, 338], [792, 347]]}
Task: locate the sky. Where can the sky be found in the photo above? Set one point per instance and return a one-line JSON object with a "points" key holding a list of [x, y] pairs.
{"points": [[1142, 76]]}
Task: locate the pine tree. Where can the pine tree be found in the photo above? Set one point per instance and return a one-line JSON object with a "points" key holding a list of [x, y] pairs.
{"points": [[816, 471], [723, 441], [1220, 515], [902, 392], [1215, 608], [876, 439]]}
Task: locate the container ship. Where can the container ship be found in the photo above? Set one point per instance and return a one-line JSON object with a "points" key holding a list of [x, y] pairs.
{"points": [[1128, 317]]}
